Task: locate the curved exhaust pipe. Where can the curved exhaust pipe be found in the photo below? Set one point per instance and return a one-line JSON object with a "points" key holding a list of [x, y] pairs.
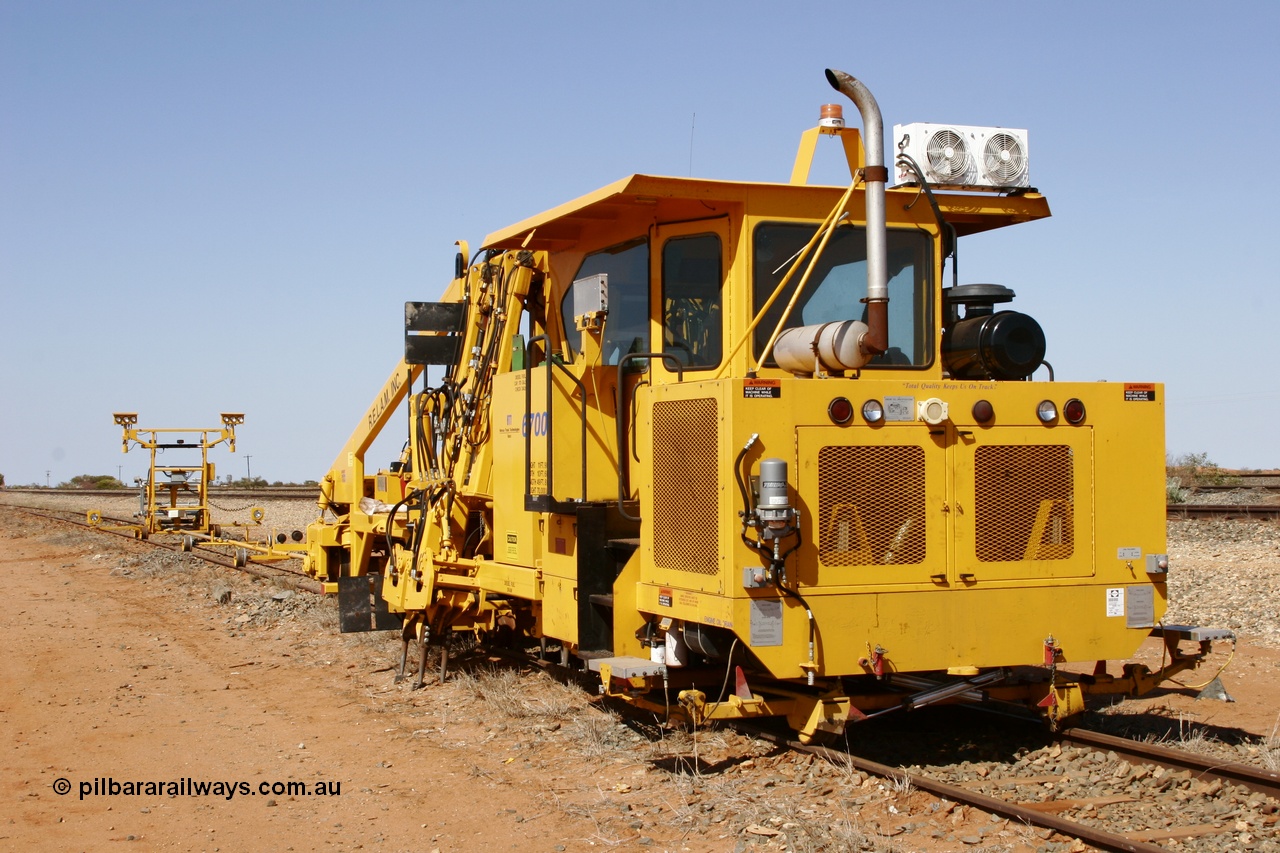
{"points": [[874, 177]]}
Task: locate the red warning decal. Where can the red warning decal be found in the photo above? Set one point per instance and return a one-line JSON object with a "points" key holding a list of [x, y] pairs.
{"points": [[761, 389], [1139, 392]]}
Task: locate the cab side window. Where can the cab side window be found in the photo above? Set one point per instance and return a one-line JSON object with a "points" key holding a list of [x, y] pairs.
{"points": [[626, 328], [692, 276]]}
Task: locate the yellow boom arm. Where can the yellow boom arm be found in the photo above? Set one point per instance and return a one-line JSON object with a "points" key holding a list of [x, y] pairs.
{"points": [[344, 484]]}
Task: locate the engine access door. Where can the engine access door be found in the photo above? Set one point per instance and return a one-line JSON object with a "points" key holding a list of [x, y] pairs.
{"points": [[876, 506], [1024, 504]]}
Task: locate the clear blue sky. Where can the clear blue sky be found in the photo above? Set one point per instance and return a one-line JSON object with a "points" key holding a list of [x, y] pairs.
{"points": [[211, 207]]}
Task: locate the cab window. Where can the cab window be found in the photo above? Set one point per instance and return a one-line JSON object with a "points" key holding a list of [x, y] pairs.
{"points": [[691, 308], [839, 282], [626, 327]]}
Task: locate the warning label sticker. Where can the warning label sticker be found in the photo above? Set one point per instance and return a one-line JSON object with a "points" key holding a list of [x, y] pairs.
{"points": [[761, 389], [1115, 601], [1139, 392]]}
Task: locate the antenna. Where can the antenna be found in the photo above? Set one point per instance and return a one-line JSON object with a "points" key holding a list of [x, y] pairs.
{"points": [[692, 124]]}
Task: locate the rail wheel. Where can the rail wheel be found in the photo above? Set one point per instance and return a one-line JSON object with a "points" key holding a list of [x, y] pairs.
{"points": [[241, 558], [188, 543]]}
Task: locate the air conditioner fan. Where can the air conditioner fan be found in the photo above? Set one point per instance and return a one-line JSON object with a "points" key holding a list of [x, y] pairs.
{"points": [[948, 155], [1003, 158]]}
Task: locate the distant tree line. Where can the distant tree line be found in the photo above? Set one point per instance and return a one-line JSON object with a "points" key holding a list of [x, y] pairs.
{"points": [[92, 481]]}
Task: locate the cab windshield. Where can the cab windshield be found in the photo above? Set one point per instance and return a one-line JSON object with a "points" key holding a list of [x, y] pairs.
{"points": [[839, 283]]}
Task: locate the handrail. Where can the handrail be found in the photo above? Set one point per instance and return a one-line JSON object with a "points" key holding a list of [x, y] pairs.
{"points": [[619, 391], [529, 500]]}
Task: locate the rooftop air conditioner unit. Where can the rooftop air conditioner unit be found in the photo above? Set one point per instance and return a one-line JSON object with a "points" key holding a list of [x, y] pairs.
{"points": [[960, 157]]}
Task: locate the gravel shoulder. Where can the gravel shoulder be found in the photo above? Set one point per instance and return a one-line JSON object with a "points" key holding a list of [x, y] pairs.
{"points": [[1226, 574]]}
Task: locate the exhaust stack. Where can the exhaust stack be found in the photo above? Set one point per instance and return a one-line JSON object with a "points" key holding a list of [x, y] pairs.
{"points": [[874, 176]]}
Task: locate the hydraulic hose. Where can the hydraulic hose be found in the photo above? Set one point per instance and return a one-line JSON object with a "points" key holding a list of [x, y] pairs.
{"points": [[391, 518], [950, 242], [779, 574], [737, 473]]}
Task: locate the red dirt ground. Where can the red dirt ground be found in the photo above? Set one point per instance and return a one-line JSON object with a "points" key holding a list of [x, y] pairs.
{"points": [[144, 678], [105, 679]]}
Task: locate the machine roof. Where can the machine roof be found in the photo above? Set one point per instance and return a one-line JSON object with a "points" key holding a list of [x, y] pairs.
{"points": [[677, 199]]}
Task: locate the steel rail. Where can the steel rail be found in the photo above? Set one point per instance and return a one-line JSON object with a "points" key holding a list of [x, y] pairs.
{"points": [[1262, 781], [1090, 834], [1238, 487], [1227, 511], [1205, 767], [1251, 475]]}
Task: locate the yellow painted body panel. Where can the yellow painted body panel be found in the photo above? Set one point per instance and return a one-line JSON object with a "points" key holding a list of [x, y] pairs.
{"points": [[946, 604], [559, 608]]}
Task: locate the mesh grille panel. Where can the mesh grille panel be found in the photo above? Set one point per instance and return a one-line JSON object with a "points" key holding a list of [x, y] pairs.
{"points": [[686, 486], [1024, 507], [871, 506]]}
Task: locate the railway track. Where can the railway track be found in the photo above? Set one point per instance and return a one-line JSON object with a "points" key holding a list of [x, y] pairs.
{"points": [[1183, 796], [1266, 782], [1252, 477], [1238, 487], [1156, 794], [272, 571], [1250, 512]]}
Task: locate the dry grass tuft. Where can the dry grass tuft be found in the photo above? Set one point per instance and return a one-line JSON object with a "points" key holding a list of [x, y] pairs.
{"points": [[598, 733], [1271, 747], [520, 695]]}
